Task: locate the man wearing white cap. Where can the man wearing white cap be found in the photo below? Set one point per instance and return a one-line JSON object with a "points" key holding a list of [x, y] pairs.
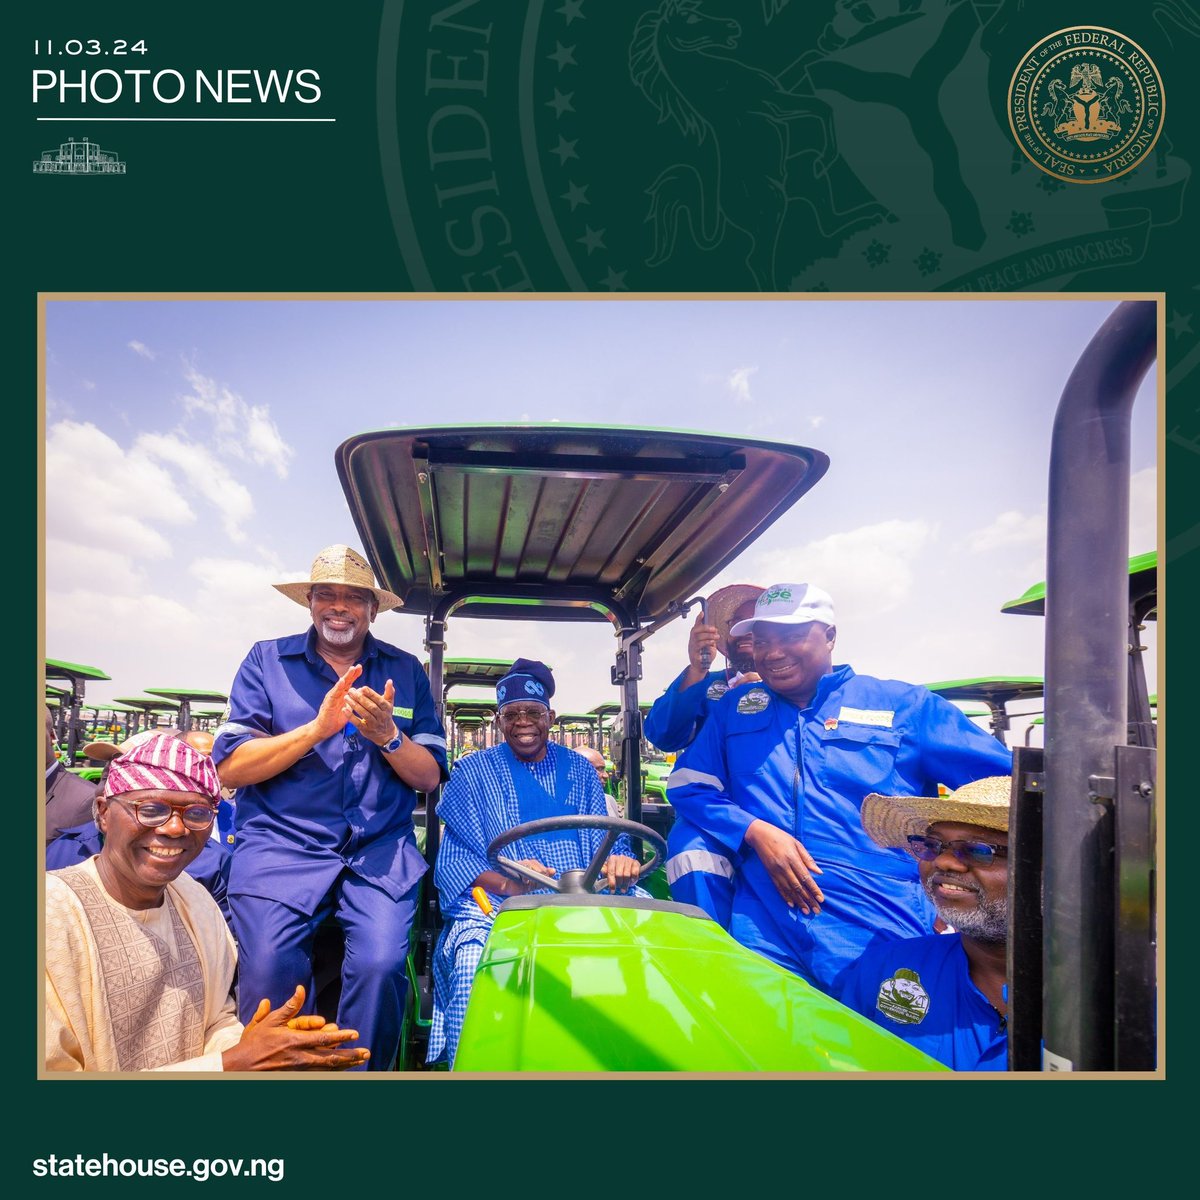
{"points": [[699, 870], [946, 994], [778, 773], [330, 735]]}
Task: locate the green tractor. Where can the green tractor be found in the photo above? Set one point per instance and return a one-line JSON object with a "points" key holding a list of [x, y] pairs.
{"points": [[623, 525], [593, 524]]}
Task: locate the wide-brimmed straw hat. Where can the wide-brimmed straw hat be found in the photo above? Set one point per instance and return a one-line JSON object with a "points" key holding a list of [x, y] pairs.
{"points": [[107, 751], [891, 820], [339, 564], [100, 751], [723, 603]]}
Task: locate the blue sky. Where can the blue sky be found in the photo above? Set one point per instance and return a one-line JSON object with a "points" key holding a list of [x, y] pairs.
{"points": [[189, 461]]}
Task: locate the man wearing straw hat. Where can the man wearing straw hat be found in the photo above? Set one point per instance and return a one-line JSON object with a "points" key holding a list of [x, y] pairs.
{"points": [[699, 869], [329, 737], [778, 774], [944, 993]]}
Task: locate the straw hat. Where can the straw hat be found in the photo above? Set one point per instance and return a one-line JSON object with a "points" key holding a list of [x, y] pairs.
{"points": [[890, 820], [339, 564], [100, 751], [723, 603], [107, 751]]}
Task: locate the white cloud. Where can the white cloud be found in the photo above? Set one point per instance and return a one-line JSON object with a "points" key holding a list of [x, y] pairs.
{"points": [[1009, 529], [205, 474], [739, 384], [243, 431], [158, 641], [868, 571], [107, 571], [99, 495], [816, 422], [142, 350], [143, 640], [1017, 529]]}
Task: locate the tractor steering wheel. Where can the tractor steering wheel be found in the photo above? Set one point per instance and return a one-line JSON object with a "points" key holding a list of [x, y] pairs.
{"points": [[573, 882]]}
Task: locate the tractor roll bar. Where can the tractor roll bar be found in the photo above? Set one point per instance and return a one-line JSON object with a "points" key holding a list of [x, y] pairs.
{"points": [[1087, 613]]}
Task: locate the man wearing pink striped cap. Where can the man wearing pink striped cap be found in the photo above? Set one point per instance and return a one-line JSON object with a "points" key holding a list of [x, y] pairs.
{"points": [[140, 961]]}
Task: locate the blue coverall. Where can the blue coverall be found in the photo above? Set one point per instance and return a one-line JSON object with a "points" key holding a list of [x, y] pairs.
{"points": [[806, 771]]}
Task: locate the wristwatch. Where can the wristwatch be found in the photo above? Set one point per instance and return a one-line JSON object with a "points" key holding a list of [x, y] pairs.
{"points": [[394, 744]]}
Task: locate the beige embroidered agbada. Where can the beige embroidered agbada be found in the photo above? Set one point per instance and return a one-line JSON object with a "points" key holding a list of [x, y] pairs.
{"points": [[130, 990]]}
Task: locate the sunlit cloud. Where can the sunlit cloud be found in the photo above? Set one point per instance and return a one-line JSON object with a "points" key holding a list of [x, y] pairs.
{"points": [[101, 496], [206, 475], [242, 431], [1009, 529], [142, 350], [868, 571], [739, 384]]}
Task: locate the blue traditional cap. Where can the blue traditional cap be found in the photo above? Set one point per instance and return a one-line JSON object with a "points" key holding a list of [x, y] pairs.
{"points": [[527, 679]]}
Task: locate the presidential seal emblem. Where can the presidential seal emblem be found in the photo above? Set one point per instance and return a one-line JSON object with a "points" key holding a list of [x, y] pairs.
{"points": [[1086, 104], [902, 998]]}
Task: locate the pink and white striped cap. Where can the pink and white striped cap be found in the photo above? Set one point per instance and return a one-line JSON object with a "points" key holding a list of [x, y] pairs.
{"points": [[166, 763]]}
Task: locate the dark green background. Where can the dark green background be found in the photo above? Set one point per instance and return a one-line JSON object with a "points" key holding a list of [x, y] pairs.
{"points": [[221, 207]]}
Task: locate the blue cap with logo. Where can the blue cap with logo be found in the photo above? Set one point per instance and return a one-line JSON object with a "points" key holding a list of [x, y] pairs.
{"points": [[527, 679]]}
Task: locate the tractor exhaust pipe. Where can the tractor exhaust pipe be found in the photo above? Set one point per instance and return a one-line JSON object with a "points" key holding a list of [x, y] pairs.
{"points": [[1087, 607]]}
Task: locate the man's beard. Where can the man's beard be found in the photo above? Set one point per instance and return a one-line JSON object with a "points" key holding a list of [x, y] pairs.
{"points": [[742, 662], [338, 637], [987, 922]]}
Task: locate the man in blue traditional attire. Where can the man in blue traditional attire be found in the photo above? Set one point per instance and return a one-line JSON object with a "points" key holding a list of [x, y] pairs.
{"points": [[778, 773], [329, 737], [525, 778], [699, 869], [946, 993]]}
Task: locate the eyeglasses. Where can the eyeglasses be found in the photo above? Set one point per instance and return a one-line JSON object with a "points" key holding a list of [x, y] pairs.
{"points": [[525, 714], [329, 596], [972, 854], [153, 813]]}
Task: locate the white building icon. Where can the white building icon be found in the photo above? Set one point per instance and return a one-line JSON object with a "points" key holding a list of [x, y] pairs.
{"points": [[78, 158]]}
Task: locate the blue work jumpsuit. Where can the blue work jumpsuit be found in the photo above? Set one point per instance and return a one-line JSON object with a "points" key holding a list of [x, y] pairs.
{"points": [[806, 771]]}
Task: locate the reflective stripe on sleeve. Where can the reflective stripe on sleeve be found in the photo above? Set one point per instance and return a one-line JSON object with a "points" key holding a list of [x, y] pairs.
{"points": [[698, 860], [430, 739], [681, 777], [234, 727]]}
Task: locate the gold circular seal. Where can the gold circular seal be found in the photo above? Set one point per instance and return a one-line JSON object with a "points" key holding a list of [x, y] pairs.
{"points": [[1086, 104]]}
